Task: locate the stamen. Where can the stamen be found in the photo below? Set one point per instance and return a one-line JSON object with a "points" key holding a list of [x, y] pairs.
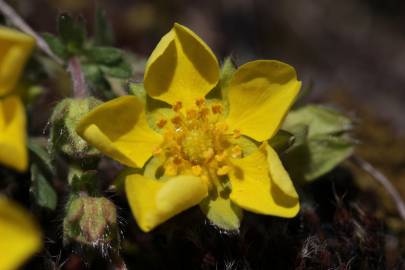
{"points": [[208, 153], [199, 102], [236, 151], [176, 120], [216, 109], [236, 134], [170, 170], [177, 106], [223, 170], [196, 170], [220, 157], [161, 123]]}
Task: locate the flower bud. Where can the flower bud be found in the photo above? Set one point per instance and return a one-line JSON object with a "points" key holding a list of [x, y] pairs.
{"points": [[64, 119], [91, 221]]}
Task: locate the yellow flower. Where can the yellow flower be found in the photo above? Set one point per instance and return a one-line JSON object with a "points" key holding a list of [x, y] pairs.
{"points": [[20, 235], [15, 48], [211, 152]]}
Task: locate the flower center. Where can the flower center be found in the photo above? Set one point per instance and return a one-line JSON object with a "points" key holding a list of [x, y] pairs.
{"points": [[197, 141]]}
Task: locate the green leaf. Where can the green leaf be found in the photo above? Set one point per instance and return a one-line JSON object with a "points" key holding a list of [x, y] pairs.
{"points": [[72, 32], [56, 45], [319, 119], [40, 156], [321, 141], [102, 28], [335, 149], [41, 190], [122, 70], [104, 55]]}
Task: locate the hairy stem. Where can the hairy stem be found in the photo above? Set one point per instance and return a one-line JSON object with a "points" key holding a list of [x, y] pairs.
{"points": [[383, 180], [10, 13], [79, 83]]}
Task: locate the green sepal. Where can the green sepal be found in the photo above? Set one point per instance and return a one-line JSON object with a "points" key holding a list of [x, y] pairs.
{"points": [[138, 90], [63, 136], [91, 221], [83, 180]]}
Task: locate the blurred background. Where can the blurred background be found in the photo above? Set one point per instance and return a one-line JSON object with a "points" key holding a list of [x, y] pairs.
{"points": [[347, 47], [350, 54]]}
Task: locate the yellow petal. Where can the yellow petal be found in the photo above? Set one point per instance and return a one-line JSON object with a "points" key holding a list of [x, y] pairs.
{"points": [[119, 129], [181, 68], [255, 191], [259, 95], [220, 210], [20, 236], [13, 149], [15, 48], [278, 173], [154, 201]]}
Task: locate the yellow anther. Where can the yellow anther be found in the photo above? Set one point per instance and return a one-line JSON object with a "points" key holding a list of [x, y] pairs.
{"points": [[199, 102], [217, 108], [177, 160], [204, 112], [161, 123], [191, 114], [196, 170], [236, 134], [170, 170], [176, 120], [221, 126], [236, 151], [223, 170], [208, 153], [220, 157], [177, 106]]}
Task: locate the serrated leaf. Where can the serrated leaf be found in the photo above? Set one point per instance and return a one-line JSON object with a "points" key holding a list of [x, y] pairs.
{"points": [[104, 55], [55, 44], [102, 28], [122, 70], [42, 191], [72, 32]]}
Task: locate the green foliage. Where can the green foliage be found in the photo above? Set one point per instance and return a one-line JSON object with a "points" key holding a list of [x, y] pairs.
{"points": [[98, 59], [321, 141], [41, 174]]}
